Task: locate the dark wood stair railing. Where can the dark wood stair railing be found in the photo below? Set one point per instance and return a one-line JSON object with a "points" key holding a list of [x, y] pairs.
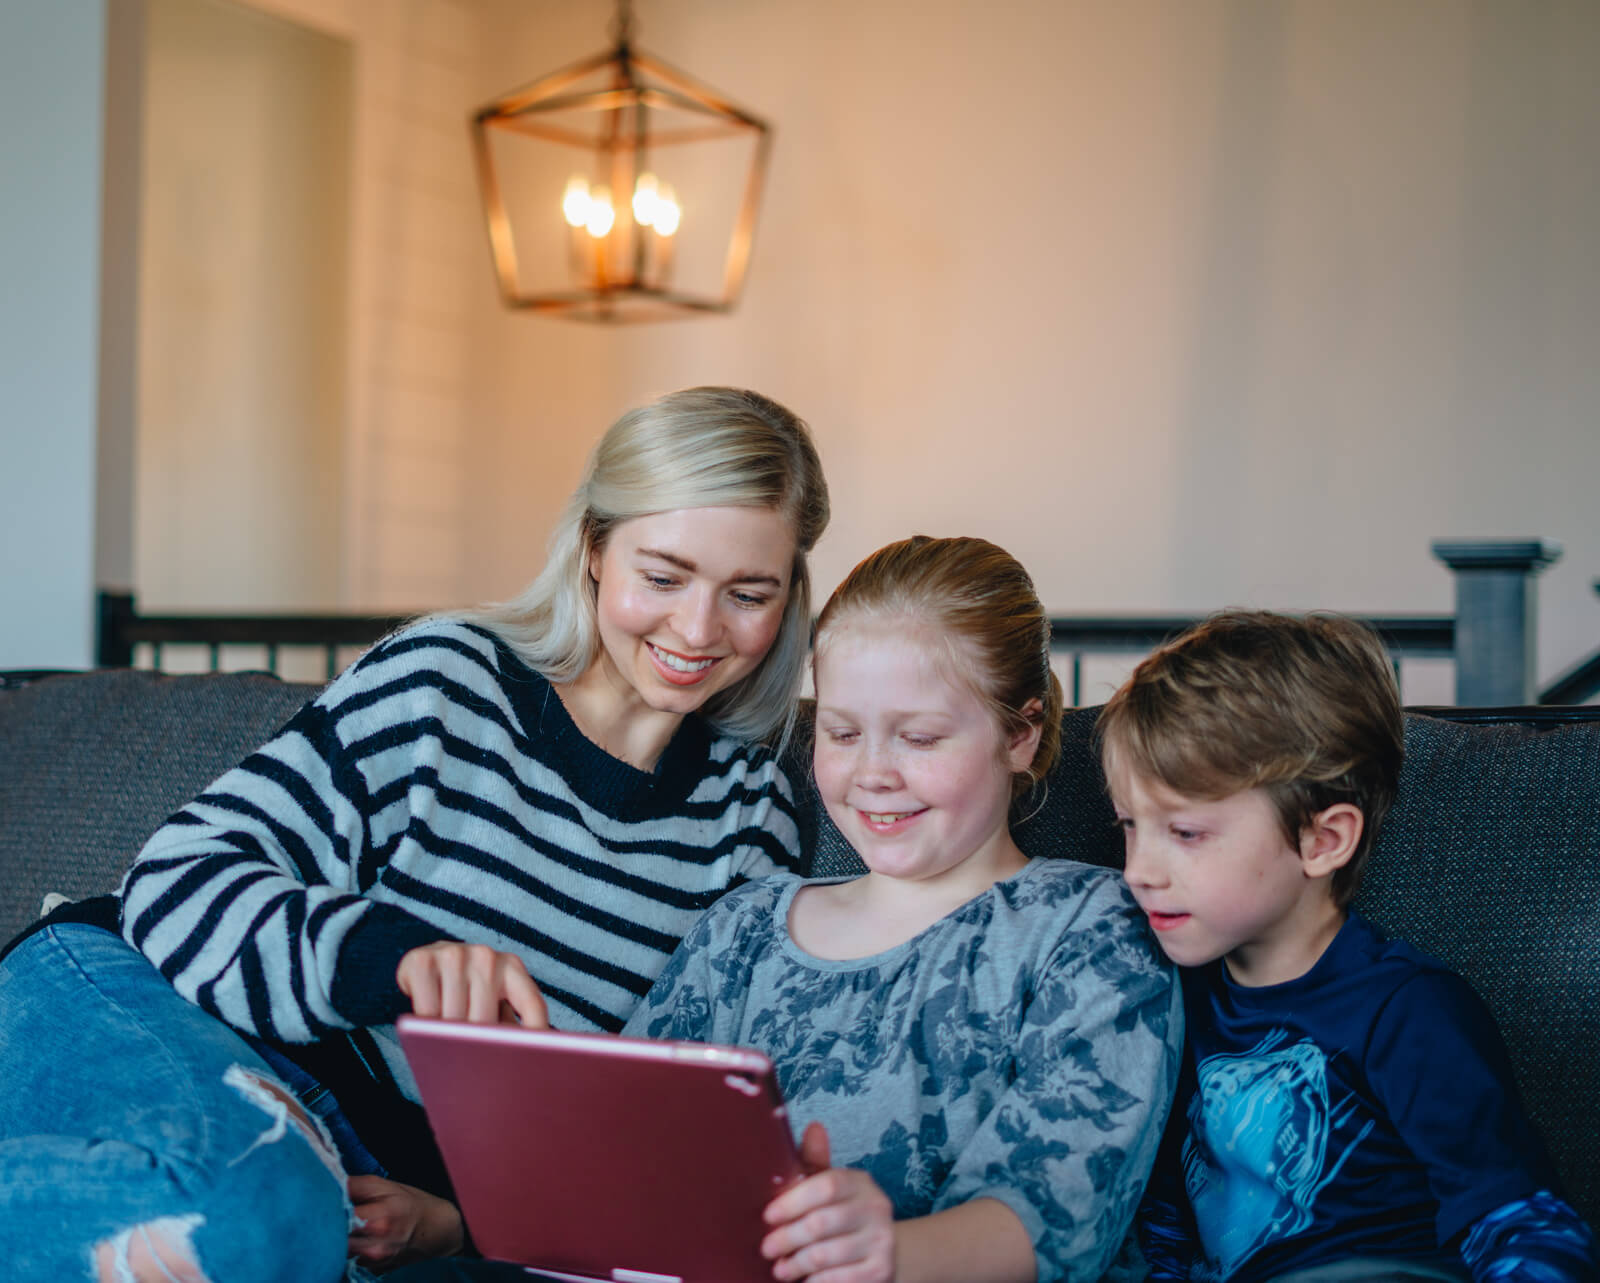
{"points": [[122, 628], [1407, 637], [1491, 636], [1579, 684]]}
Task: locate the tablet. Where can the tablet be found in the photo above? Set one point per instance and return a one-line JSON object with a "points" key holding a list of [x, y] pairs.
{"points": [[591, 1156]]}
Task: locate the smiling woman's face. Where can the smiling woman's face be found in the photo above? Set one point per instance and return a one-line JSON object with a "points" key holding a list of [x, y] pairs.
{"points": [[690, 601]]}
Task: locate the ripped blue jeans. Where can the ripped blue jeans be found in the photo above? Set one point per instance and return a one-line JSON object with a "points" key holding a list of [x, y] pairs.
{"points": [[140, 1135]]}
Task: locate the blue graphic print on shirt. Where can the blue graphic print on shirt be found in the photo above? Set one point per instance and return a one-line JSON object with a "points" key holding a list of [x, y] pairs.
{"points": [[1263, 1121]]}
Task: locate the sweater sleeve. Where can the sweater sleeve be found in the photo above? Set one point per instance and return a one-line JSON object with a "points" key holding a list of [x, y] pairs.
{"points": [[1474, 1140], [1070, 1145], [1540, 1239], [252, 899]]}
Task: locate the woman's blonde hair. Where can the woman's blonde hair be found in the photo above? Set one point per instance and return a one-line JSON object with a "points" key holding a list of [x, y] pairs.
{"points": [[707, 447], [979, 602]]}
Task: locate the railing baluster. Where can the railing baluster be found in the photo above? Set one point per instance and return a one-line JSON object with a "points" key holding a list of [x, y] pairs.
{"points": [[216, 656], [272, 659], [114, 649]]}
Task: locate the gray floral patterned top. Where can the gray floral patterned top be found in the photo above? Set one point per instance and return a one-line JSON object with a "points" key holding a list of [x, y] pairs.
{"points": [[1024, 1048]]}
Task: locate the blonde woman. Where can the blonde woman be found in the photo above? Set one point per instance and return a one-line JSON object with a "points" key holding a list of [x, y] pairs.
{"points": [[513, 811]]}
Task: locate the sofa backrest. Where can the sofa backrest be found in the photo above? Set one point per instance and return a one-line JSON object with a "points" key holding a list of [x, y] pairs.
{"points": [[1490, 859], [92, 763]]}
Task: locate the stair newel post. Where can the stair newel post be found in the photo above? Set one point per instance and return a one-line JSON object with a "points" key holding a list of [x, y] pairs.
{"points": [[1496, 616]]}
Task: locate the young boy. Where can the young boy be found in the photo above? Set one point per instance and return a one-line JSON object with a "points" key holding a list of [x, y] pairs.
{"points": [[1346, 1109]]}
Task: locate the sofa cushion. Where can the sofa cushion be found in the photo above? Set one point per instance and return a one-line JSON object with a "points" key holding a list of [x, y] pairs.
{"points": [[135, 746]]}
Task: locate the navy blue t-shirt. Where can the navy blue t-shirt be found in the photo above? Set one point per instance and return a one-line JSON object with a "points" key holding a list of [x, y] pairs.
{"points": [[1366, 1108]]}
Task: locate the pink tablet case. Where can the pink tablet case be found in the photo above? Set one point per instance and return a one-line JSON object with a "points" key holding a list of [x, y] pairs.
{"points": [[596, 1157]]}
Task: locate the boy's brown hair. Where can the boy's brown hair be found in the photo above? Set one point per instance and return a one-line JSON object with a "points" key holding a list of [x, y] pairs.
{"points": [[1304, 707]]}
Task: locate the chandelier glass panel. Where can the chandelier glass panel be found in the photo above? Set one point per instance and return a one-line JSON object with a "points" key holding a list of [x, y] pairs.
{"points": [[620, 189]]}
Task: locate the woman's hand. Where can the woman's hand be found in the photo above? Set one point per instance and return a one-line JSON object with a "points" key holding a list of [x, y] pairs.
{"points": [[836, 1226], [401, 1224], [453, 981]]}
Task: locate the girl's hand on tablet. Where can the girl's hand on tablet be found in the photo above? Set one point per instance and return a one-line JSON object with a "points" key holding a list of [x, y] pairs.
{"points": [[835, 1226], [453, 981], [401, 1223]]}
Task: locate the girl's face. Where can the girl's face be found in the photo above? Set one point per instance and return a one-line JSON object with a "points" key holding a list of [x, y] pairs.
{"points": [[690, 601], [913, 767]]}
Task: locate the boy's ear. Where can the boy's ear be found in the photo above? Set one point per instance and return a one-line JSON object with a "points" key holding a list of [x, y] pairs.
{"points": [[1329, 841], [1021, 747]]}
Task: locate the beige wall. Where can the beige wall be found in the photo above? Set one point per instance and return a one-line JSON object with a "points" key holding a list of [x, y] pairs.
{"points": [[416, 275], [358, 283], [243, 275], [1187, 302]]}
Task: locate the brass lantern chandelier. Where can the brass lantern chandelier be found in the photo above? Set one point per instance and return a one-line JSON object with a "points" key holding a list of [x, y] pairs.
{"points": [[620, 189]]}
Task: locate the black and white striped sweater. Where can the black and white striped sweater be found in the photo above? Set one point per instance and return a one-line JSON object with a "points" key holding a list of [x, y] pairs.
{"points": [[438, 789]]}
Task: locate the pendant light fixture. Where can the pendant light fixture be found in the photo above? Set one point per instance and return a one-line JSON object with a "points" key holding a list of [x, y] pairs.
{"points": [[620, 189]]}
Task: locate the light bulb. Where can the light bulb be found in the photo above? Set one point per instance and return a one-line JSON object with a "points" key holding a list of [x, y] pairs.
{"points": [[668, 215], [575, 204], [645, 200], [601, 215]]}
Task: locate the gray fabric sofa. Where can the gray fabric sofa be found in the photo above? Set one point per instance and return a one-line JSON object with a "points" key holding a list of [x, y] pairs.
{"points": [[1490, 860]]}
